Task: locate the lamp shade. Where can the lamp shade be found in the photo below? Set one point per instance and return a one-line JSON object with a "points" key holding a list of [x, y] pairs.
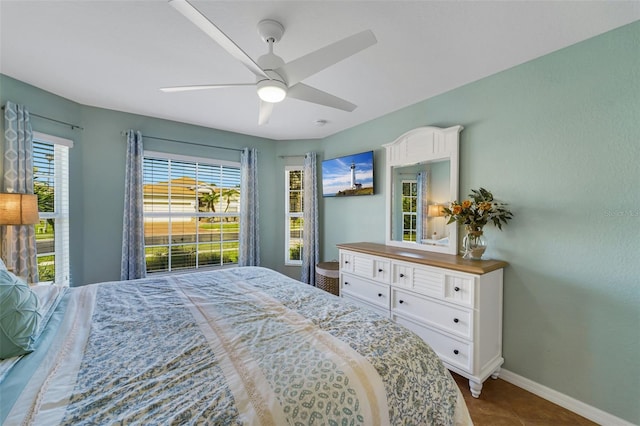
{"points": [[18, 209], [435, 210]]}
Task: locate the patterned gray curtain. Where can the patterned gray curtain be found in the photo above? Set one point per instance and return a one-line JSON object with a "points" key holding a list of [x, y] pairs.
{"points": [[19, 242], [249, 206], [310, 240], [133, 263]]}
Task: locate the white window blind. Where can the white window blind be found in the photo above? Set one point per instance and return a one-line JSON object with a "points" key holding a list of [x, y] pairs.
{"points": [[191, 212], [51, 184]]}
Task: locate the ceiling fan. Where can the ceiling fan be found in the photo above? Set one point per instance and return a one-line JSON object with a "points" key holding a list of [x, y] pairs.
{"points": [[276, 79]]}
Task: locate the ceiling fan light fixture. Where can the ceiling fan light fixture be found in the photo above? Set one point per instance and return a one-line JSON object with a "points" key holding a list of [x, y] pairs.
{"points": [[272, 90]]}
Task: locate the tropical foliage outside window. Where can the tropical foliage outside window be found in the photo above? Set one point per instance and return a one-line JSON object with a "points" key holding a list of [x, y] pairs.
{"points": [[191, 212], [409, 209], [294, 210]]}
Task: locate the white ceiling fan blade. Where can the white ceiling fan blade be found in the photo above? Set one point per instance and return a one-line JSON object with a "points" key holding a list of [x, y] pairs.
{"points": [[309, 94], [307, 65], [266, 108], [203, 87], [202, 22]]}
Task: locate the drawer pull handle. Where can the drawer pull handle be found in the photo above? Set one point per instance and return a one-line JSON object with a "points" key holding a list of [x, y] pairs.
{"points": [[346, 261], [346, 283], [455, 351], [456, 320], [401, 275], [379, 269], [379, 294], [401, 301], [456, 288]]}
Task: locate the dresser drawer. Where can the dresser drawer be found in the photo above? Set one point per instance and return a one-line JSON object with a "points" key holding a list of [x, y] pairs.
{"points": [[346, 261], [365, 266], [402, 274], [458, 321], [452, 351], [381, 270], [459, 289], [375, 308], [425, 280], [368, 291]]}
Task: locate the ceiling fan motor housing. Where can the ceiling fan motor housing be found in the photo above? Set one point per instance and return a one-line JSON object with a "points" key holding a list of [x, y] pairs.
{"points": [[275, 88], [270, 30]]}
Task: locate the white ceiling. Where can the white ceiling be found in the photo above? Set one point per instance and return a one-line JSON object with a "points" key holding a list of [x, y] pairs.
{"points": [[117, 54]]}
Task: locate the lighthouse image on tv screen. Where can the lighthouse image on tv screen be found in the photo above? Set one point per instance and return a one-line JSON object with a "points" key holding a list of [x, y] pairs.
{"points": [[348, 175]]}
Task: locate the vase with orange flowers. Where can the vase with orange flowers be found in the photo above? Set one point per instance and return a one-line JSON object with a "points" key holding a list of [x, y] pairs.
{"points": [[474, 213]]}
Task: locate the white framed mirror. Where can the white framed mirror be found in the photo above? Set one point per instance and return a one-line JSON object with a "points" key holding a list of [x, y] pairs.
{"points": [[421, 178]]}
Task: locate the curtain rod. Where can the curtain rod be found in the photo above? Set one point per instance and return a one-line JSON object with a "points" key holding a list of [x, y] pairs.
{"points": [[73, 126], [123, 133]]}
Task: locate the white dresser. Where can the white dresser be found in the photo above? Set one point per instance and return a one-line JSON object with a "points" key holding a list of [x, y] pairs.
{"points": [[454, 304]]}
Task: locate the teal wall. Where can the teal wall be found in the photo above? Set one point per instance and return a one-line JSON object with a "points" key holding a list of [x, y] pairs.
{"points": [[97, 163], [557, 138]]}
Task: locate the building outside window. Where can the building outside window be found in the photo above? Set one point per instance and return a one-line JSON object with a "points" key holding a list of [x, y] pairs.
{"points": [[51, 185], [191, 212], [409, 209], [294, 208]]}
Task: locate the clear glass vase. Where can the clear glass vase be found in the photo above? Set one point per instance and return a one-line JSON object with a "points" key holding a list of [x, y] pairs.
{"points": [[473, 244]]}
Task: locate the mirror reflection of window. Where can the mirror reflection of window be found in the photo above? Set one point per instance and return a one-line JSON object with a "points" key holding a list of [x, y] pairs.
{"points": [[409, 209], [427, 157]]}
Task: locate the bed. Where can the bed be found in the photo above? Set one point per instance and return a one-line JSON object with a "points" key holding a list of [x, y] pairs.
{"points": [[236, 346]]}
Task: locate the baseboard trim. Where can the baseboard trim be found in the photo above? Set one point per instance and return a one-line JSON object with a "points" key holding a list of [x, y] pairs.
{"points": [[572, 404]]}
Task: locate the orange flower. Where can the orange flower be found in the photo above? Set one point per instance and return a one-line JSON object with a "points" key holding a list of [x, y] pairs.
{"points": [[457, 209], [466, 204], [485, 206]]}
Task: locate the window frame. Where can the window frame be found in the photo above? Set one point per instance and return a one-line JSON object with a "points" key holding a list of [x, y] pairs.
{"points": [[148, 154], [289, 215], [61, 213], [413, 230]]}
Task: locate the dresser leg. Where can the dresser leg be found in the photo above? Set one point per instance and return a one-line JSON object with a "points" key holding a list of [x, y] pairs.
{"points": [[475, 387], [495, 374]]}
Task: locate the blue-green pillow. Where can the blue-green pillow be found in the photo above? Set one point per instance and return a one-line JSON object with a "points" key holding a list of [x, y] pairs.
{"points": [[19, 316]]}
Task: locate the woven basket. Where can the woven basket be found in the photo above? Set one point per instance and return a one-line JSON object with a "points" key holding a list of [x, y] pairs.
{"points": [[327, 277]]}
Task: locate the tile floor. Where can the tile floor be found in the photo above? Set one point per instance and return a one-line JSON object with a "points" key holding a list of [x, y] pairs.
{"points": [[504, 404]]}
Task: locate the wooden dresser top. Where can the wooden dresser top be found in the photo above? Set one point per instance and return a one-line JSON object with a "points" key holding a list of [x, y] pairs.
{"points": [[448, 261]]}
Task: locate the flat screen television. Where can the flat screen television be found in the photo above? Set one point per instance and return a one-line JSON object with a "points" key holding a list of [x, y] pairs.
{"points": [[348, 175]]}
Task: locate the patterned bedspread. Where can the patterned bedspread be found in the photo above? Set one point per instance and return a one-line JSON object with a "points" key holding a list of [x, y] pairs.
{"points": [[230, 347]]}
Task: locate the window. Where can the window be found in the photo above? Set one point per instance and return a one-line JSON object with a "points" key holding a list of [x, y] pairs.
{"points": [[409, 209], [51, 185], [191, 212], [294, 208]]}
